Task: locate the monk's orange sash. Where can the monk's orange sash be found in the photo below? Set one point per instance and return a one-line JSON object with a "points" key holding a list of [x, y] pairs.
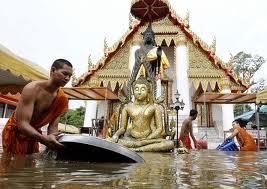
{"points": [[14, 143]]}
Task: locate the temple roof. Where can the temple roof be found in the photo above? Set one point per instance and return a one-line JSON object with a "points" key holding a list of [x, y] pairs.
{"points": [[183, 25], [16, 72]]}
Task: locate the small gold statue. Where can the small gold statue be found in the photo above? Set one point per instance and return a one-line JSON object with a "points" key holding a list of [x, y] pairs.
{"points": [[143, 133]]}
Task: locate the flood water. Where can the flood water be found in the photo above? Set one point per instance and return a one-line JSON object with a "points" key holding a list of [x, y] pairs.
{"points": [[200, 169]]}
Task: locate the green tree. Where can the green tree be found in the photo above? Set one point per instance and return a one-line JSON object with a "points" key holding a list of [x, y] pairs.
{"points": [[245, 66], [74, 117], [239, 109]]}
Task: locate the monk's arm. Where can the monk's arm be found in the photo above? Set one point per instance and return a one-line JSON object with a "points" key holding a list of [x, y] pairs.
{"points": [[53, 126], [24, 112], [235, 132], [192, 135], [158, 122]]}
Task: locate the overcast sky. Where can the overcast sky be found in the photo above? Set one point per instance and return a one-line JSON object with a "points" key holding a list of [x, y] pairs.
{"points": [[44, 30]]}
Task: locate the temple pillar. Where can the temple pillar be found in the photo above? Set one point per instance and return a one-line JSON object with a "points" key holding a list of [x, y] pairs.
{"points": [[90, 112], [182, 83], [227, 109]]}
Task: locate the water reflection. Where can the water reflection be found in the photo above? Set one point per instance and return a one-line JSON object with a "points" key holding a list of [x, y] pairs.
{"points": [[200, 169]]}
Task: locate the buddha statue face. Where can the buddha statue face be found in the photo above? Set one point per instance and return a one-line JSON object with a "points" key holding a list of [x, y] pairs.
{"points": [[141, 88], [149, 36], [140, 92]]}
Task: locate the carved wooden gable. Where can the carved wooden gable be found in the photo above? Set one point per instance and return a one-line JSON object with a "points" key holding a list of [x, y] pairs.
{"points": [[114, 72], [203, 71]]}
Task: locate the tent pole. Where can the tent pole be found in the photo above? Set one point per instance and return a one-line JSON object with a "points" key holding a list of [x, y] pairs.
{"points": [[257, 118]]}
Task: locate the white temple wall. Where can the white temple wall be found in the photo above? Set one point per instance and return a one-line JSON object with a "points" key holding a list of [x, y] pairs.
{"points": [[102, 109], [228, 116], [217, 113], [227, 113], [90, 112], [217, 118]]}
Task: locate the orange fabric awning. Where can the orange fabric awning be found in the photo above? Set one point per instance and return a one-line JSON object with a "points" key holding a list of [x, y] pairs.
{"points": [[10, 99], [226, 98], [92, 93]]}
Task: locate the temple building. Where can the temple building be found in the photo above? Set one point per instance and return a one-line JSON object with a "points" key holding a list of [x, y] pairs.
{"points": [[195, 71]]}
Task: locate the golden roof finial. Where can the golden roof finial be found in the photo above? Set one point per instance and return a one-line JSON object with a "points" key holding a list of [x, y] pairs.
{"points": [[213, 45], [187, 19], [105, 46], [90, 63]]}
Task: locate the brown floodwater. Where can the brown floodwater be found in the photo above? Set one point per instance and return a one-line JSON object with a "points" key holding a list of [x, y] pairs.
{"points": [[199, 169]]}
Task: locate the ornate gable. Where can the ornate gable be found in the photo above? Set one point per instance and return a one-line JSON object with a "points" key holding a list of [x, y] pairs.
{"points": [[204, 66], [201, 70], [115, 71]]}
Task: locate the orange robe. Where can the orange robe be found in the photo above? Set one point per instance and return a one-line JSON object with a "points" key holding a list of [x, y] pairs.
{"points": [[249, 143], [16, 143], [186, 142]]}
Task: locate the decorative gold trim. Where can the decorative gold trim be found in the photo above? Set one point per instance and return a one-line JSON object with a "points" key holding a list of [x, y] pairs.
{"points": [[180, 39], [225, 83]]}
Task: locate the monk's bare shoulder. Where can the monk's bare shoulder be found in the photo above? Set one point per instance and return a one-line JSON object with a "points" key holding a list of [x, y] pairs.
{"points": [[32, 88], [186, 121]]}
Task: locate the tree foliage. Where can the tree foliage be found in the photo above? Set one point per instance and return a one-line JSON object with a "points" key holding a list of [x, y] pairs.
{"points": [[239, 109], [74, 117], [245, 66]]}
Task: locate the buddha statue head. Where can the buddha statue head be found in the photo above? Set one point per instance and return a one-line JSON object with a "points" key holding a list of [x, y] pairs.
{"points": [[142, 89], [149, 36]]}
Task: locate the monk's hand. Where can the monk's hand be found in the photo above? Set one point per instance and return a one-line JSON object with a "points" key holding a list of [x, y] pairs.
{"points": [[226, 139], [57, 134], [196, 145], [51, 141]]}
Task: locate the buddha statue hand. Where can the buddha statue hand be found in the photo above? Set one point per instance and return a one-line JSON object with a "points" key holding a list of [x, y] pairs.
{"points": [[114, 139]]}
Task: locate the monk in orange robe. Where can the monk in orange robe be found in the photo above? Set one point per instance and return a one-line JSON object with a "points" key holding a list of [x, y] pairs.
{"points": [[187, 130], [244, 139], [41, 103]]}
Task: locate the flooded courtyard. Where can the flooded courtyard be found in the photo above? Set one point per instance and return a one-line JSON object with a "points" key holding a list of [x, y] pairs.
{"points": [[200, 169]]}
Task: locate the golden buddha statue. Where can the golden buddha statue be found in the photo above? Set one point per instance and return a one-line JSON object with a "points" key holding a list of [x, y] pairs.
{"points": [[145, 130]]}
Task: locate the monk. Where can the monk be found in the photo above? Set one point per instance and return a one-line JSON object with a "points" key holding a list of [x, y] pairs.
{"points": [[187, 130], [244, 139], [41, 103]]}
